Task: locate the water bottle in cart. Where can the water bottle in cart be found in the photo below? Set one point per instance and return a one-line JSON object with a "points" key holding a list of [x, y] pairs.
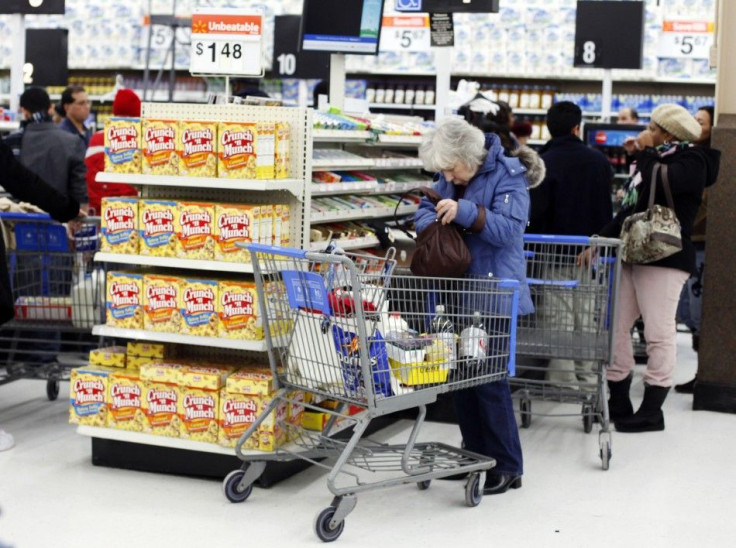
{"points": [[444, 331], [473, 347]]}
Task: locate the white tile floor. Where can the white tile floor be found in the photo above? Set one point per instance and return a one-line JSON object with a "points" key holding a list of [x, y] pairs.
{"points": [[674, 488]]}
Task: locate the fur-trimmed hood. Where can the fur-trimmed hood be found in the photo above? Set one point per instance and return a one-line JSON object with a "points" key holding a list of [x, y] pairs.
{"points": [[535, 168]]}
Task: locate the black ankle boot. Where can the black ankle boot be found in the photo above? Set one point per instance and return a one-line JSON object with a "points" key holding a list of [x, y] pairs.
{"points": [[649, 417], [619, 404], [686, 388]]}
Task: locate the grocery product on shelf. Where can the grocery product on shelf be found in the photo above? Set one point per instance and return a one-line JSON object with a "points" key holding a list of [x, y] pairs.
{"points": [[125, 401], [124, 300], [237, 150], [197, 149], [87, 395], [237, 309], [123, 145], [109, 356], [161, 398], [156, 227], [161, 303], [197, 307], [235, 224], [199, 400], [119, 225], [282, 154], [159, 138], [194, 230]]}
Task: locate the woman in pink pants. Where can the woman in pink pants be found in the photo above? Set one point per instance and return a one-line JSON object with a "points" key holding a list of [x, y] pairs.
{"points": [[653, 290]]}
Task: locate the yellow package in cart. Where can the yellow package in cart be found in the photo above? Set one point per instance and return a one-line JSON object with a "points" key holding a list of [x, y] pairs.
{"points": [[282, 154], [125, 401], [194, 226], [237, 310], [237, 150], [198, 307], [156, 227], [161, 304], [197, 149], [159, 147], [119, 225], [265, 158], [236, 414], [110, 356], [235, 224], [123, 145], [88, 394], [160, 408], [124, 300]]}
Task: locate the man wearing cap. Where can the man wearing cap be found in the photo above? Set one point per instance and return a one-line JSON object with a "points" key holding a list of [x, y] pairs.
{"points": [[127, 104], [653, 289]]}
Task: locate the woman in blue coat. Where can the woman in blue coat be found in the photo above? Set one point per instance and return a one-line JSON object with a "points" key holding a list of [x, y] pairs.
{"points": [[473, 170]]}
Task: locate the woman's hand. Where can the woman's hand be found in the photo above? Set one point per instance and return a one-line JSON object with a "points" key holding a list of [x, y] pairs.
{"points": [[446, 211], [585, 258]]}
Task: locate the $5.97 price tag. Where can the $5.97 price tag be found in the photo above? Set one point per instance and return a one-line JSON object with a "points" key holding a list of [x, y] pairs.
{"points": [[686, 39], [227, 41], [405, 33]]}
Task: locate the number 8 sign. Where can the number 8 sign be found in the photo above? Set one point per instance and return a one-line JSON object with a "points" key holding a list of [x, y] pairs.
{"points": [[227, 41]]}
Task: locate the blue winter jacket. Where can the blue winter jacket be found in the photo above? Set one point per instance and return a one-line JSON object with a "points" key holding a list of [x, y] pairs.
{"points": [[501, 187]]}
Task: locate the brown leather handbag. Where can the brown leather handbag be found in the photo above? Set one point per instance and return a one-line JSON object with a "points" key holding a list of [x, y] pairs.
{"points": [[441, 250]]}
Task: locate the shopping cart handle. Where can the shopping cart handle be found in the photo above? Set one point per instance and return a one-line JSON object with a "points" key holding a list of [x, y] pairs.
{"points": [[508, 284], [12, 216], [275, 250], [552, 238]]}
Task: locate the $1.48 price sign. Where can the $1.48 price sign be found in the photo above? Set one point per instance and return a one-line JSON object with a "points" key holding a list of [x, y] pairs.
{"points": [[686, 39], [226, 42], [405, 33]]}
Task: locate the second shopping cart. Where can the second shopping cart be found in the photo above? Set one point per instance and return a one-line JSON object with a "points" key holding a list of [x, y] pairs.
{"points": [[352, 329]]}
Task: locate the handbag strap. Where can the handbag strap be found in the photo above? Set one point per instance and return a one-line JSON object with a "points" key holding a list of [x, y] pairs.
{"points": [[661, 168], [433, 196]]}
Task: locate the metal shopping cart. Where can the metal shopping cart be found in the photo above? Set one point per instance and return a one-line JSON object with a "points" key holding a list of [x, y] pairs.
{"points": [[57, 295], [346, 327], [564, 347]]}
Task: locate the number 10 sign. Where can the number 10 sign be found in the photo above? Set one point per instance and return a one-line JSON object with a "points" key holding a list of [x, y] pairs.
{"points": [[227, 41]]}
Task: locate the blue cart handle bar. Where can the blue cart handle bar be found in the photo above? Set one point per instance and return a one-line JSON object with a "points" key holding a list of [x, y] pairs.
{"points": [[7, 216], [572, 240]]}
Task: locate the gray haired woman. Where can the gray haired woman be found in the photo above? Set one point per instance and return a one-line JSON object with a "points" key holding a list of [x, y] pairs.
{"points": [[472, 170]]}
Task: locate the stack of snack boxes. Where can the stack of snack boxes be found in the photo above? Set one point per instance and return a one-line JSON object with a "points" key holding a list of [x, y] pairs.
{"points": [[161, 394], [191, 230], [233, 150], [199, 387]]}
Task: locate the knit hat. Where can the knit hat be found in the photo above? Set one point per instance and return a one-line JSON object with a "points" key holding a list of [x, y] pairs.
{"points": [[127, 103], [678, 121], [522, 129]]}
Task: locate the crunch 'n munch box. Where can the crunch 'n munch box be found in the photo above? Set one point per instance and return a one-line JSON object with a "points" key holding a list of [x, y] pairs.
{"points": [[119, 225], [200, 397], [161, 303], [251, 381], [282, 155], [156, 227], [110, 356], [285, 226], [123, 145], [272, 432], [125, 401], [266, 146], [235, 223], [295, 411], [266, 230], [124, 300], [87, 395], [161, 398], [237, 308], [195, 231], [237, 150], [146, 349], [159, 147], [197, 149], [236, 413], [198, 307]]}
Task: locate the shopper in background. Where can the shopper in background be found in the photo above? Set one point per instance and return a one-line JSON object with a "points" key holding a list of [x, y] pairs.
{"points": [[473, 170], [627, 115], [25, 185], [573, 200], [690, 308], [522, 131], [76, 106], [491, 117], [126, 103], [652, 290]]}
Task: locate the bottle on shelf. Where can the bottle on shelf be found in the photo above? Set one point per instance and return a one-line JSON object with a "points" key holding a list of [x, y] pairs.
{"points": [[429, 96], [548, 97], [399, 95], [503, 94], [525, 97], [535, 98], [514, 97], [419, 97]]}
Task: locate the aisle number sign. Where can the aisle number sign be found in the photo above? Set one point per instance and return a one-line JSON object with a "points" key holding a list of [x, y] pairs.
{"points": [[686, 39], [405, 33], [227, 42]]}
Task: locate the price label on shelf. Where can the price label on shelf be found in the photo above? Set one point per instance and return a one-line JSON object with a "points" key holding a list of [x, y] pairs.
{"points": [[227, 41], [405, 33], [686, 39]]}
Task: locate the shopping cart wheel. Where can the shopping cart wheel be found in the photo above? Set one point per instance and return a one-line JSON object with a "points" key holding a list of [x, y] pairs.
{"points": [[424, 485], [473, 491], [588, 416], [525, 408], [230, 487], [605, 454], [322, 527], [52, 389]]}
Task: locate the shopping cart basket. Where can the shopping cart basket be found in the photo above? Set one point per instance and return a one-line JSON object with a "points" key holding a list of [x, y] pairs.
{"points": [[564, 347], [57, 295], [347, 328]]}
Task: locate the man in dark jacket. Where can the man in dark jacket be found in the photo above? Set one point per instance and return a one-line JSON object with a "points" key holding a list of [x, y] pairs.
{"points": [[54, 155], [575, 196], [25, 185], [573, 200]]}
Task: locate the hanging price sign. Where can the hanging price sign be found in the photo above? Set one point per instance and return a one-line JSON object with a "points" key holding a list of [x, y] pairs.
{"points": [[686, 39], [227, 41], [405, 33]]}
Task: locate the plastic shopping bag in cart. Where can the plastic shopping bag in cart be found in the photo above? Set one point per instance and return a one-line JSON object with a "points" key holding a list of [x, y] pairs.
{"points": [[347, 346]]}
